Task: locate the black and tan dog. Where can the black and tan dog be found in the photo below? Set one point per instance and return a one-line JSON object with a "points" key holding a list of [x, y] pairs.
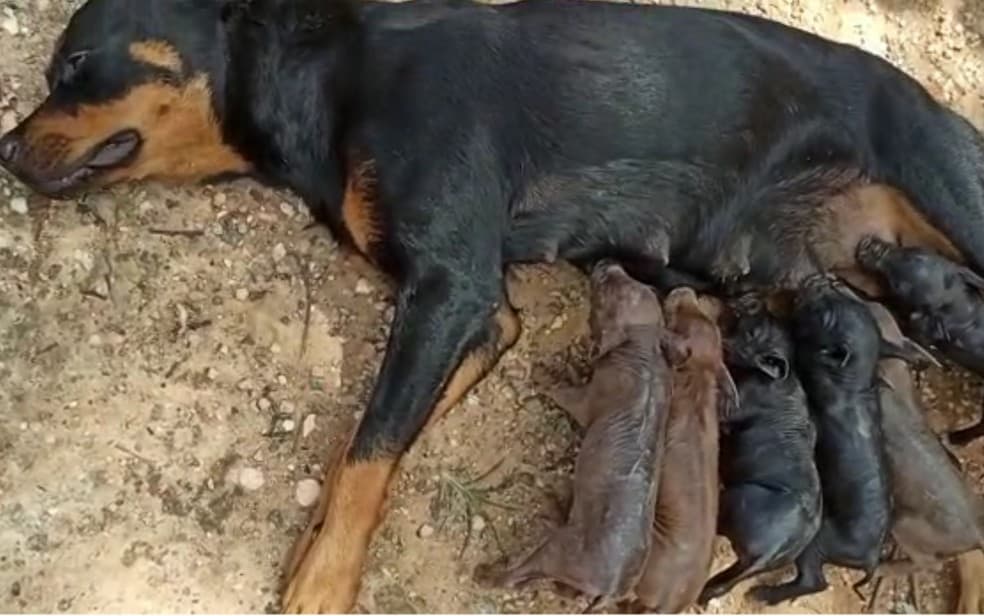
{"points": [[418, 131]]}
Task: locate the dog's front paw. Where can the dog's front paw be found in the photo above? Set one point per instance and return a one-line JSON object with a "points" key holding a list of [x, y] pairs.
{"points": [[323, 583]]}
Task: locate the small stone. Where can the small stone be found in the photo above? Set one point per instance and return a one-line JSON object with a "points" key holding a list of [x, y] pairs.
{"points": [[245, 385], [309, 425], [557, 323], [8, 122], [279, 252], [307, 491], [362, 287], [95, 340], [425, 531], [212, 374], [275, 348], [145, 208], [250, 478], [219, 199], [282, 380], [19, 205], [288, 425], [242, 294], [10, 25], [287, 209], [478, 524], [264, 404]]}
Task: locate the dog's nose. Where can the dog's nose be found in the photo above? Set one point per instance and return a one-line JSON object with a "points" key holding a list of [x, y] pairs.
{"points": [[9, 147]]}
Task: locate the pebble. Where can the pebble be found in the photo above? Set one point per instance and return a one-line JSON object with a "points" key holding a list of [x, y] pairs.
{"points": [[242, 294], [219, 199], [250, 478], [279, 252], [19, 205], [264, 404], [362, 287], [478, 524], [95, 340], [10, 25], [307, 491], [425, 531], [288, 425], [287, 209], [310, 423], [212, 374], [8, 122]]}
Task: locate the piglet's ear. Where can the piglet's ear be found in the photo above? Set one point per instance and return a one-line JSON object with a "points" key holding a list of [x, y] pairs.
{"points": [[773, 366], [728, 391], [676, 348], [972, 279], [908, 351]]}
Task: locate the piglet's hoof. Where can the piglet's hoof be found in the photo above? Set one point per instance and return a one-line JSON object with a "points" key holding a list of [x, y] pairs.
{"points": [[491, 574]]}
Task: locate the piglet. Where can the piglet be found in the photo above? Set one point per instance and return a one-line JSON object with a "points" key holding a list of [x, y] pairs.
{"points": [[686, 512], [601, 550], [942, 304], [936, 514], [770, 505], [837, 353]]}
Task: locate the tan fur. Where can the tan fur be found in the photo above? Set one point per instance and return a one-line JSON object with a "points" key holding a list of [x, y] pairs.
{"points": [[325, 565], [160, 54], [182, 139], [358, 208]]}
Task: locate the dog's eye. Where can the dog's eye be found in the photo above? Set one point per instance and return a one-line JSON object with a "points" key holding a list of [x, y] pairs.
{"points": [[68, 69]]}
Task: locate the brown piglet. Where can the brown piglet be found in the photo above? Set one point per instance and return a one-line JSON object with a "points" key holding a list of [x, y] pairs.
{"points": [[684, 525], [601, 549]]}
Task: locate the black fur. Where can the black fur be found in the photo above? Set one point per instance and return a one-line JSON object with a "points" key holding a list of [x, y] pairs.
{"points": [[771, 505], [838, 346]]}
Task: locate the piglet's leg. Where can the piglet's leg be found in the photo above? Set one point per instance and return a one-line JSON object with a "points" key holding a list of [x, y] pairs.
{"points": [[809, 579], [575, 401], [555, 560]]}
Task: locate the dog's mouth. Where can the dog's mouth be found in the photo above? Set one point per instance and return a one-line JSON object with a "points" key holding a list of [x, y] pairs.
{"points": [[118, 151]]}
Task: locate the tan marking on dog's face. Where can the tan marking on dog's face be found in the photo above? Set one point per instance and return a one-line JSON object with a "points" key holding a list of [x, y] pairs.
{"points": [[160, 54], [181, 136]]}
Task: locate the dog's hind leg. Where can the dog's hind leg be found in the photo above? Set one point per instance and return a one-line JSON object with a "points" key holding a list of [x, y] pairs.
{"points": [[449, 330]]}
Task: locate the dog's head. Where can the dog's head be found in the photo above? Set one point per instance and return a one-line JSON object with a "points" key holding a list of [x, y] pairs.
{"points": [[135, 90]]}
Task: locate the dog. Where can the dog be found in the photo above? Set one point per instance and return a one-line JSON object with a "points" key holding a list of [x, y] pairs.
{"points": [[412, 130]]}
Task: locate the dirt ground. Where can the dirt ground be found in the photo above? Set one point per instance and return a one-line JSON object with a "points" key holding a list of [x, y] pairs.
{"points": [[162, 419]]}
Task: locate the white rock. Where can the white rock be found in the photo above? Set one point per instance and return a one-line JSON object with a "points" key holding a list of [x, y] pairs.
{"points": [[19, 205], [10, 25], [478, 524], [264, 404], [288, 425], [242, 294], [307, 491], [8, 121], [362, 287], [279, 252], [425, 531], [309, 425], [250, 478]]}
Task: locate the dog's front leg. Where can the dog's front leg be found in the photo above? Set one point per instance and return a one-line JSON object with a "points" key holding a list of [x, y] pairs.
{"points": [[449, 330]]}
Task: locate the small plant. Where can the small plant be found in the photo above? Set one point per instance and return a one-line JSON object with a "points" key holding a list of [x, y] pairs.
{"points": [[461, 497]]}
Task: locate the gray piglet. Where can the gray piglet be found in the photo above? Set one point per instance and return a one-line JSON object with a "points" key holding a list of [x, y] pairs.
{"points": [[936, 514]]}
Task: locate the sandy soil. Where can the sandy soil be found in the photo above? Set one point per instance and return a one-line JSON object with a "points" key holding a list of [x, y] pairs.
{"points": [[161, 416]]}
